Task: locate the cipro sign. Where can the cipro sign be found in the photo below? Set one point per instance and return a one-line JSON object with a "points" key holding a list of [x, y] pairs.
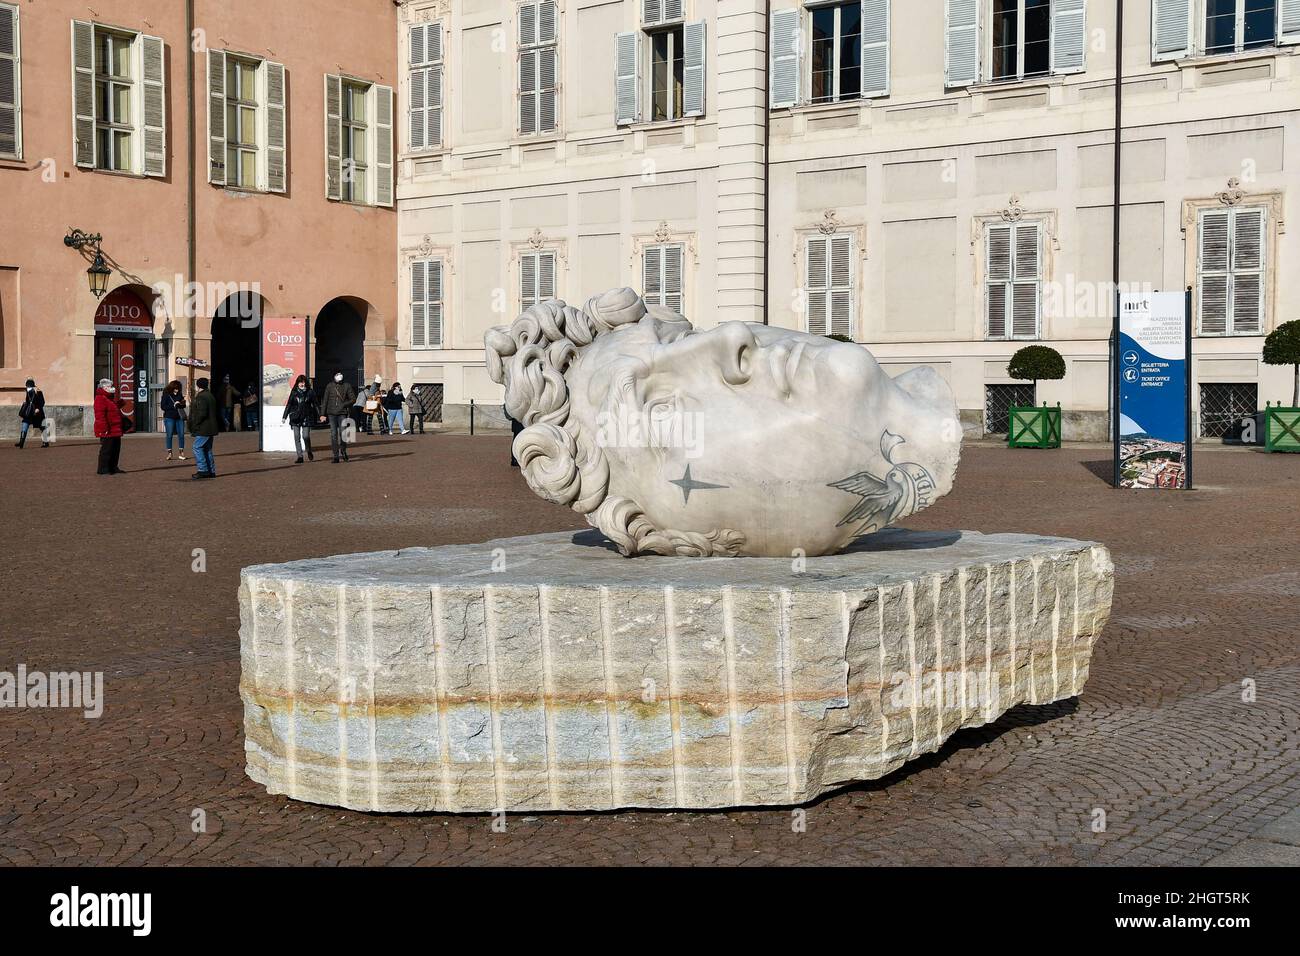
{"points": [[277, 338], [122, 311]]}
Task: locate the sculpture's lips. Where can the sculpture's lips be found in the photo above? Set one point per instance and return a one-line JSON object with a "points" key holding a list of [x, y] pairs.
{"points": [[784, 361]]}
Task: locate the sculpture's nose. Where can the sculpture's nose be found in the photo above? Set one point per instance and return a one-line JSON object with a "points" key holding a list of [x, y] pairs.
{"points": [[733, 346]]}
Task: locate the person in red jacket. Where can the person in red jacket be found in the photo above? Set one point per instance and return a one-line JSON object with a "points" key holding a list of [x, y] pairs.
{"points": [[109, 427]]}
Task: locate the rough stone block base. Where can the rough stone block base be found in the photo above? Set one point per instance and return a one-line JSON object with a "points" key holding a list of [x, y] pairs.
{"points": [[548, 673]]}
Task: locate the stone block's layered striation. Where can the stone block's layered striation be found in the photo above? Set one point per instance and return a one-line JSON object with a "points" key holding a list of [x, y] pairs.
{"points": [[548, 673]]}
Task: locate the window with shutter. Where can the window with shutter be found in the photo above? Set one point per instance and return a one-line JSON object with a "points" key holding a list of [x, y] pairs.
{"points": [[627, 78], [828, 272], [106, 98], [424, 113], [538, 65], [217, 117], [662, 279], [426, 303], [277, 145], [849, 47], [961, 42], [153, 107], [875, 47], [1184, 28], [536, 278], [333, 137], [381, 98], [1013, 280], [1230, 270], [658, 12], [11, 127], [244, 133], [786, 55]]}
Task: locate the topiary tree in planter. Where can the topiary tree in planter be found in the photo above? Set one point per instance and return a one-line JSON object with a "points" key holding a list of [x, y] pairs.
{"points": [[1033, 362], [1035, 427], [1282, 347]]}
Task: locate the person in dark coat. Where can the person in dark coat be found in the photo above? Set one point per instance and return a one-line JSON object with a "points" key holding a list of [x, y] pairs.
{"points": [[31, 414], [302, 412], [336, 404], [172, 404], [110, 425], [420, 402], [205, 424], [393, 400]]}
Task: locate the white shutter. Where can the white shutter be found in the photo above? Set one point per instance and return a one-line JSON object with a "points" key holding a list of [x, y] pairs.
{"points": [[433, 127], [875, 47], [424, 89], [434, 339], [1248, 271], [961, 43], [277, 169], [652, 12], [841, 285], [217, 117], [419, 303], [83, 93], [627, 78], [546, 68], [1288, 21], [153, 103], [786, 56], [382, 97], [673, 284], [417, 112], [817, 283], [1212, 266], [693, 69], [10, 78], [333, 136], [1026, 272], [997, 259], [528, 90], [673, 10], [1171, 29], [652, 274], [545, 276], [527, 24], [1069, 26], [547, 30]]}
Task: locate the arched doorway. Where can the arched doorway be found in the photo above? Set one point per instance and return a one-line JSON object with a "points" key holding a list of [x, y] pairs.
{"points": [[340, 332], [236, 353], [128, 353]]}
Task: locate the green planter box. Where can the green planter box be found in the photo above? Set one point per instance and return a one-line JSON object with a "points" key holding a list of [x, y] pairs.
{"points": [[1032, 427], [1281, 428]]}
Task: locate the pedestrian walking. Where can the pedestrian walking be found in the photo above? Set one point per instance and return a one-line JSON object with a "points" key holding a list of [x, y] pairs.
{"points": [[302, 412], [249, 401], [393, 401], [173, 410], [31, 414], [420, 403], [372, 405], [110, 425], [205, 424], [229, 396], [339, 399]]}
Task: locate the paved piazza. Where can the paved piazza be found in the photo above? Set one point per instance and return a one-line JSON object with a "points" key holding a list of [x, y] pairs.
{"points": [[1185, 737]]}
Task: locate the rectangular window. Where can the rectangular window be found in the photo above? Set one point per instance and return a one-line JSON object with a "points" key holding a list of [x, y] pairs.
{"points": [[1226, 407], [1230, 270], [358, 141], [10, 84], [998, 402], [1021, 38], [536, 278], [538, 63], [1013, 281], [661, 269], [1184, 28], [1235, 25], [836, 52], [424, 116], [426, 303], [114, 102], [242, 121], [667, 74], [829, 285], [119, 100]]}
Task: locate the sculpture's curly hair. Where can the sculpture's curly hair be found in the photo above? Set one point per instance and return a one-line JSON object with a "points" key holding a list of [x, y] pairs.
{"points": [[559, 459]]}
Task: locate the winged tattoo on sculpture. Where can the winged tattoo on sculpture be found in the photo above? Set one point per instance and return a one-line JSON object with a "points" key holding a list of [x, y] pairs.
{"points": [[906, 488]]}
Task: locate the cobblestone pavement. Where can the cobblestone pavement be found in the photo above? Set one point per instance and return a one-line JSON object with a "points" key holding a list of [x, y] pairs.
{"points": [[98, 576]]}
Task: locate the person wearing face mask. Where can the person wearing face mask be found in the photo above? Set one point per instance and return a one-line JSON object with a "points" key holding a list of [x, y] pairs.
{"points": [[205, 423], [32, 415], [301, 411], [393, 401], [109, 427], [336, 404]]}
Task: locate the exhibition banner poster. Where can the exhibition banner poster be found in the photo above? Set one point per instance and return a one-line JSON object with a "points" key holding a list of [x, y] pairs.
{"points": [[284, 358], [1153, 435]]}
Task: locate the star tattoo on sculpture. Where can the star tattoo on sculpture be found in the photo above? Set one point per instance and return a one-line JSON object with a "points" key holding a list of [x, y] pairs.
{"points": [[688, 484], [906, 488]]}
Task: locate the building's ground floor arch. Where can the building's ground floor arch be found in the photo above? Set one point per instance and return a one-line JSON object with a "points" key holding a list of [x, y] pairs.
{"points": [[236, 354]]}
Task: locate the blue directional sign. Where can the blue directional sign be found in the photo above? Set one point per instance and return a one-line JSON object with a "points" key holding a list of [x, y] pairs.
{"points": [[1154, 431]]}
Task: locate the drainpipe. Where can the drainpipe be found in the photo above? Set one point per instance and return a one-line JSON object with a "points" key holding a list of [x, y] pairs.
{"points": [[1112, 398], [192, 256], [767, 145]]}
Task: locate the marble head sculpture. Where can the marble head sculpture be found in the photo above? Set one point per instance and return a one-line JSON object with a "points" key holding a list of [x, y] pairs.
{"points": [[741, 440]]}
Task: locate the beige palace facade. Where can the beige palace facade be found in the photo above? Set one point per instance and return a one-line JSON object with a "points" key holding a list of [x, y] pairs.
{"points": [[235, 158], [931, 178]]}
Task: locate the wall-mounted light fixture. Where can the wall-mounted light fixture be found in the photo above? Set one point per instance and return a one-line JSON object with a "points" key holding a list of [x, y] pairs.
{"points": [[99, 273]]}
